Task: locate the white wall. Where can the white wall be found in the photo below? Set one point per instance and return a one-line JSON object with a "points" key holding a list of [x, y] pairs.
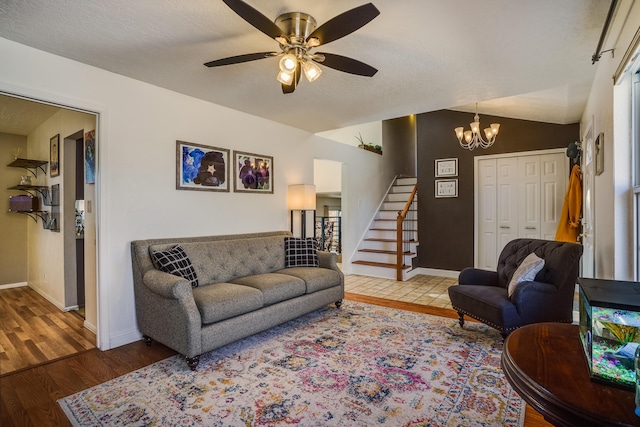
{"points": [[371, 134], [613, 218], [327, 176], [136, 141], [365, 181]]}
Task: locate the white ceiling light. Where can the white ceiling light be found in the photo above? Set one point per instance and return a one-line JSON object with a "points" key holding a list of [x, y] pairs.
{"points": [[473, 138]]}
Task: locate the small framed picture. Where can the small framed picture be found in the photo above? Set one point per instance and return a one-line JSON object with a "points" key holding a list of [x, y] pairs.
{"points": [[446, 188], [54, 155], [600, 153], [252, 173], [201, 167], [446, 167]]}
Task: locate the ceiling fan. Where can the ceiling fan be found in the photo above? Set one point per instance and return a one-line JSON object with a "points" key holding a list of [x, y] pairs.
{"points": [[296, 33]]}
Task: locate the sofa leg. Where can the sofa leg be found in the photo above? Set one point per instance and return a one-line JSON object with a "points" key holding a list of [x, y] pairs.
{"points": [[192, 362], [338, 304], [461, 319], [147, 340]]}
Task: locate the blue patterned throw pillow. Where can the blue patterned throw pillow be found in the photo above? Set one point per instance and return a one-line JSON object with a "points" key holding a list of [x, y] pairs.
{"points": [[300, 252], [175, 261]]}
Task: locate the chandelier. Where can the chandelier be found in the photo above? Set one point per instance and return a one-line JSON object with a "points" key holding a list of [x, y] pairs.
{"points": [[473, 138]]}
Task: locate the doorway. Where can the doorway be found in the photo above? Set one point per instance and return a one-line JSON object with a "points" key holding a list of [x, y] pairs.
{"points": [[56, 259]]}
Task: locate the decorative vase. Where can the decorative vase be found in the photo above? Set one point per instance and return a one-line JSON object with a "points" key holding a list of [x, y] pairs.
{"points": [[25, 180]]}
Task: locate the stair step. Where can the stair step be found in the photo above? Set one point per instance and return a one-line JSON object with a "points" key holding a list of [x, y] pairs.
{"points": [[375, 239], [380, 251], [380, 264]]}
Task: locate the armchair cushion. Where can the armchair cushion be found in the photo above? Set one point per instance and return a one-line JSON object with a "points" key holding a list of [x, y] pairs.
{"points": [[526, 271]]}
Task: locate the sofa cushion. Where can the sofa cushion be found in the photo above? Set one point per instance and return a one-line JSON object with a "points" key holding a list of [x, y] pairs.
{"points": [[221, 301], [275, 287], [316, 279], [175, 261], [300, 252]]}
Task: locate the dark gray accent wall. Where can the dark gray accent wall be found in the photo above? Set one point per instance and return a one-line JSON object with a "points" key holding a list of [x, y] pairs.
{"points": [[399, 145], [445, 225]]}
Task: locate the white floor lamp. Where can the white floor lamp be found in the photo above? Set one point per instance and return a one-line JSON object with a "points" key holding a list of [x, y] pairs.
{"points": [[302, 197]]}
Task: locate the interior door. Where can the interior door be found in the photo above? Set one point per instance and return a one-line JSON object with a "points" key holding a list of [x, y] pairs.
{"points": [[529, 200], [553, 184], [487, 239], [588, 204], [507, 207]]}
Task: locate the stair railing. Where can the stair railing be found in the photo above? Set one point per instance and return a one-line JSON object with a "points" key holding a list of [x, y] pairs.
{"points": [[406, 226]]}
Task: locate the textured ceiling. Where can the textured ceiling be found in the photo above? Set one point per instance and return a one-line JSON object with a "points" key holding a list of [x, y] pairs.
{"points": [[20, 117], [431, 54]]}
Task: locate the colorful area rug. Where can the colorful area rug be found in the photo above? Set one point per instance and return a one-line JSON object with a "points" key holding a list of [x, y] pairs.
{"points": [[360, 365]]}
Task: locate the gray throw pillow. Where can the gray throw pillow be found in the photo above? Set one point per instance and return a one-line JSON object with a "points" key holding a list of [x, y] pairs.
{"points": [[526, 271]]}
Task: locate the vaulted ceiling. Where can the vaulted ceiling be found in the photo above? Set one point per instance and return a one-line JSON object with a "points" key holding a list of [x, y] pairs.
{"points": [[527, 59]]}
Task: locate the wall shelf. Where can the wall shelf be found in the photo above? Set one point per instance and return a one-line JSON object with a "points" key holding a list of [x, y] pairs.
{"points": [[33, 189], [30, 164], [50, 197]]}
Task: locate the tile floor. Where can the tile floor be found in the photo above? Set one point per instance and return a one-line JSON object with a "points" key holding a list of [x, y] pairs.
{"points": [[420, 289]]}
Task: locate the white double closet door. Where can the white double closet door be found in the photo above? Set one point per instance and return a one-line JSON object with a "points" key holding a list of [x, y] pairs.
{"points": [[517, 195]]}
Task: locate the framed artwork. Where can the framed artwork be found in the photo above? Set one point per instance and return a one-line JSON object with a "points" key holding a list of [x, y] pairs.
{"points": [[201, 167], [90, 157], [446, 188], [54, 155], [446, 167], [252, 173]]}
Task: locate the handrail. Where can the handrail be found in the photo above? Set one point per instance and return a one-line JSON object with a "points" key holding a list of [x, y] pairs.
{"points": [[399, 233]]}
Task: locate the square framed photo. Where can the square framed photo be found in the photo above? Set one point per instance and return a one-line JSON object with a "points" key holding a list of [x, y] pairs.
{"points": [[446, 167], [54, 155], [252, 173], [446, 188], [201, 167]]}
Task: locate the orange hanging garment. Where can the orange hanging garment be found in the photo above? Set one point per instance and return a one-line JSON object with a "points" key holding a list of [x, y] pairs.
{"points": [[569, 224]]}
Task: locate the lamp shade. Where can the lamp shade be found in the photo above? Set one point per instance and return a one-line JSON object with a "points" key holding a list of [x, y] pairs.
{"points": [[302, 197]]}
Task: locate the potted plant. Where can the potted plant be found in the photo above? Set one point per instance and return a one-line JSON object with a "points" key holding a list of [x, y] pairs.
{"points": [[368, 147]]}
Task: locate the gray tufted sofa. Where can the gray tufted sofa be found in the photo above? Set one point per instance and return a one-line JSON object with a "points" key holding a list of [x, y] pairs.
{"points": [[244, 289]]}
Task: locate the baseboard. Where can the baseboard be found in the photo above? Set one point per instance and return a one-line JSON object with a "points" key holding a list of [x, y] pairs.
{"points": [[435, 272], [14, 285], [49, 298], [90, 327], [123, 339]]}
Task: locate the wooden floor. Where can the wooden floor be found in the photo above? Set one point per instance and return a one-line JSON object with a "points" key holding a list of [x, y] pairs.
{"points": [[28, 396], [34, 331]]}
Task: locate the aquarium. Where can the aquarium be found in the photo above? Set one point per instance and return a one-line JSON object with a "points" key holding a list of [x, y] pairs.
{"points": [[609, 324]]}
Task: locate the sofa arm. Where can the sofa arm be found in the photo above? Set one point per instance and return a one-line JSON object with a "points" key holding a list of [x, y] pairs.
{"points": [[167, 285], [476, 276]]}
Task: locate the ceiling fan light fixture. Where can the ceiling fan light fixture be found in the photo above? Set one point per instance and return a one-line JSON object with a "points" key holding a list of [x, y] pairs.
{"points": [[288, 63], [285, 77], [311, 70]]}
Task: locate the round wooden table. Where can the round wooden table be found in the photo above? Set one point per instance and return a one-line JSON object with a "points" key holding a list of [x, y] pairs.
{"points": [[546, 365]]}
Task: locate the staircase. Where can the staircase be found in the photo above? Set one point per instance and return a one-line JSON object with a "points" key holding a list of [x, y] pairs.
{"points": [[377, 254]]}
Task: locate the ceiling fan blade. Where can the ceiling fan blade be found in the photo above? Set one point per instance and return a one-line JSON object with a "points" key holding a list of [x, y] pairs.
{"points": [[292, 87], [255, 18], [345, 23], [347, 65], [240, 58]]}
